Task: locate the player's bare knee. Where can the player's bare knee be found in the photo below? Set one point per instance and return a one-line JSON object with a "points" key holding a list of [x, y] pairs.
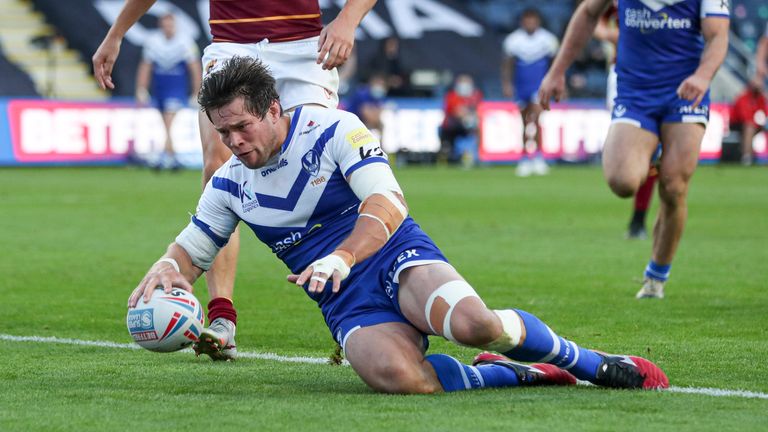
{"points": [[622, 185], [475, 326], [400, 378], [673, 190]]}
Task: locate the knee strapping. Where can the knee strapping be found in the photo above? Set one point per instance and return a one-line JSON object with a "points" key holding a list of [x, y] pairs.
{"points": [[443, 301], [513, 332]]}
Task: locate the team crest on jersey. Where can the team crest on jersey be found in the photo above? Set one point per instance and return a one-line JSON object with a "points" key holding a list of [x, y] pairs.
{"points": [[311, 162]]}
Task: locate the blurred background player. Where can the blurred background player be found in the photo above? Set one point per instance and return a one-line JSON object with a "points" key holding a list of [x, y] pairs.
{"points": [[170, 66], [748, 116], [761, 56], [302, 55], [667, 57], [367, 101], [527, 54], [461, 120], [607, 30]]}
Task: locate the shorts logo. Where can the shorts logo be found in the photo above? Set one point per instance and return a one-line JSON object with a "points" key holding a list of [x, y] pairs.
{"points": [[311, 162], [619, 110], [360, 137]]}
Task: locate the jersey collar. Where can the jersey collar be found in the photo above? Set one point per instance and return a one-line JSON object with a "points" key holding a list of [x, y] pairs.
{"points": [[294, 121]]}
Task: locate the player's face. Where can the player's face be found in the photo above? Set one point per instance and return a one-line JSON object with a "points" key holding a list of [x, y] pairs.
{"points": [[253, 140]]}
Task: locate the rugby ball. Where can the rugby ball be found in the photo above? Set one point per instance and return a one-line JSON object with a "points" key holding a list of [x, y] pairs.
{"points": [[168, 322]]}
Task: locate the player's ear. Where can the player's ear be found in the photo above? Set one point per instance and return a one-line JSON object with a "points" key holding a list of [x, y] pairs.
{"points": [[275, 111]]}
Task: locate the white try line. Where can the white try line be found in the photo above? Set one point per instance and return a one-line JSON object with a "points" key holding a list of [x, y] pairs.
{"points": [[319, 360]]}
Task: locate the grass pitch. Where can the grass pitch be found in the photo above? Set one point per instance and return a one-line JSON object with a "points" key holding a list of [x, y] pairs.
{"points": [[76, 241]]}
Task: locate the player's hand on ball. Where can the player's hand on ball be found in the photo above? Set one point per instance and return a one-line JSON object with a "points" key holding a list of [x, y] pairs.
{"points": [[162, 274], [336, 265], [693, 89]]}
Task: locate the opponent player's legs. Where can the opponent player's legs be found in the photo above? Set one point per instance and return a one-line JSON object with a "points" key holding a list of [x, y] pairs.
{"points": [[218, 340], [640, 206], [532, 161], [626, 153], [436, 300]]}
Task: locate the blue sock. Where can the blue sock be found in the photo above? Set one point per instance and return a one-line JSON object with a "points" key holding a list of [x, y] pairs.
{"points": [[657, 271], [542, 345], [454, 375]]}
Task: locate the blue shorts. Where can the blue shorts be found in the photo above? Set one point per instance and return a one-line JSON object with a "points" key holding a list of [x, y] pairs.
{"points": [[170, 102], [369, 295], [648, 108]]}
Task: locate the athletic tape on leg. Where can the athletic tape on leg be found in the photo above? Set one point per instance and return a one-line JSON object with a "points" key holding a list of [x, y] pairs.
{"points": [[445, 299], [513, 332]]}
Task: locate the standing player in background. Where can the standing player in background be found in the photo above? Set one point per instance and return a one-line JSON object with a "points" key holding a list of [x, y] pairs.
{"points": [[668, 53], [607, 30], [170, 65], [331, 209], [302, 55], [527, 53]]}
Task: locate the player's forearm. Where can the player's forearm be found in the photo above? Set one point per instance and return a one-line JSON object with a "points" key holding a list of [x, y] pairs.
{"points": [[714, 52], [354, 11], [367, 238], [178, 254], [131, 12], [579, 31]]}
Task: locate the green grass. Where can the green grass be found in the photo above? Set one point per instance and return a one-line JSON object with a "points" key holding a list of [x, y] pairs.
{"points": [[75, 242]]}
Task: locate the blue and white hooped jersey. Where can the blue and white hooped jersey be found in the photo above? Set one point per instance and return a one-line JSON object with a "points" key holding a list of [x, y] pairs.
{"points": [[300, 204], [169, 59], [660, 41], [532, 54]]}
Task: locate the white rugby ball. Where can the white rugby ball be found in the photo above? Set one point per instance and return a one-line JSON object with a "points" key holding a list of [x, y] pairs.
{"points": [[168, 322]]}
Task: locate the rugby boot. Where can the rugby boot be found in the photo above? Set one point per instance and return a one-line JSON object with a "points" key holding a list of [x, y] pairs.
{"points": [[529, 375], [217, 341], [629, 372], [652, 288]]}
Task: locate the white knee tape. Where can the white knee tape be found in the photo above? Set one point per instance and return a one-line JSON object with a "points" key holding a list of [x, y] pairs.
{"points": [[451, 293], [513, 332]]}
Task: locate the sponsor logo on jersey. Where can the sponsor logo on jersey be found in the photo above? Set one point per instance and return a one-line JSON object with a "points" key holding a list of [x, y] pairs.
{"points": [[311, 125], [360, 137], [292, 239], [374, 151], [267, 171], [311, 162], [649, 22], [248, 197]]}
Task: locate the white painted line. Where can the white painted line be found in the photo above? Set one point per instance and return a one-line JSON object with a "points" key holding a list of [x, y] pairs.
{"points": [[319, 360], [718, 392]]}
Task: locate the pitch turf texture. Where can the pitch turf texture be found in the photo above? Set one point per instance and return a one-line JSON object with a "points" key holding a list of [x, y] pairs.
{"points": [[76, 241]]}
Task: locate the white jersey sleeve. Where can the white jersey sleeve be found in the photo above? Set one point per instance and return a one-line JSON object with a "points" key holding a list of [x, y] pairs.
{"points": [[210, 227], [714, 8], [354, 146]]}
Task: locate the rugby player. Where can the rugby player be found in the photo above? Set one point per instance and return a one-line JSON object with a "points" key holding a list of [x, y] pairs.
{"points": [[315, 186], [668, 53]]}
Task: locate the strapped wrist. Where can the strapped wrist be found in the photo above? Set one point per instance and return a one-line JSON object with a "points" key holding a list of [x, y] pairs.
{"points": [[170, 261]]}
